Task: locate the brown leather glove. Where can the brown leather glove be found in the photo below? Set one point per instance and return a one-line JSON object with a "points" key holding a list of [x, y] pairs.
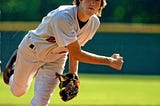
{"points": [[69, 86]]}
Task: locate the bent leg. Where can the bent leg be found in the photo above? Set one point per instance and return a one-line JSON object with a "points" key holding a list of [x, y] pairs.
{"points": [[24, 70]]}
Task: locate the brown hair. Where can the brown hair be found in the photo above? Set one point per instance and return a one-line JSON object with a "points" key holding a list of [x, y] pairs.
{"points": [[99, 13]]}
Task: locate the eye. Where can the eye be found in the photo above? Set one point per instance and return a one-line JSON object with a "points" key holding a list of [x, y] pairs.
{"points": [[98, 1]]}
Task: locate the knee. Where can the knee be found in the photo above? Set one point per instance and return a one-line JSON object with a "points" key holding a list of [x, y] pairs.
{"points": [[18, 91]]}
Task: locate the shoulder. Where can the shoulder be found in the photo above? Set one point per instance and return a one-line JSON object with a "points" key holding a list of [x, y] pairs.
{"points": [[95, 20], [63, 17], [64, 12]]}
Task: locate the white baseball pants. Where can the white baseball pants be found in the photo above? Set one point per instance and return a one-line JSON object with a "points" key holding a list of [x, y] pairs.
{"points": [[29, 63]]}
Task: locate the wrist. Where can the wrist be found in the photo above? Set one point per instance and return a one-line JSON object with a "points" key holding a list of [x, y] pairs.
{"points": [[72, 72]]}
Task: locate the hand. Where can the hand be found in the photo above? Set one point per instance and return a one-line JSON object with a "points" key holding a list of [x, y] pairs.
{"points": [[117, 62], [69, 86]]}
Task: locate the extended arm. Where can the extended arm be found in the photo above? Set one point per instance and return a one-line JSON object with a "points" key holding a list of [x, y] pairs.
{"points": [[115, 61]]}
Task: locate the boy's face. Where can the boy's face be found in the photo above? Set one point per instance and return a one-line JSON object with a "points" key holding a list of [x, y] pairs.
{"points": [[90, 7]]}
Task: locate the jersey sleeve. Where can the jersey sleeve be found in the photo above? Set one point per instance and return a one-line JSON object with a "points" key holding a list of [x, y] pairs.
{"points": [[63, 29]]}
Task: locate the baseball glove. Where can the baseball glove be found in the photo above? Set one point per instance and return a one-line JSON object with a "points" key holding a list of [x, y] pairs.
{"points": [[69, 86]]}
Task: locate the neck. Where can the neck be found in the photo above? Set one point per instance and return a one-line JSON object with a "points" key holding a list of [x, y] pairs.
{"points": [[81, 15]]}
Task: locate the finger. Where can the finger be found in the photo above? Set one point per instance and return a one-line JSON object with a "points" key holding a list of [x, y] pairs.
{"points": [[115, 55], [120, 58]]}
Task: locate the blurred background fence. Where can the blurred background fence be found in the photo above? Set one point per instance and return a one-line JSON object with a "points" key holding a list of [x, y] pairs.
{"points": [[131, 28], [128, 11]]}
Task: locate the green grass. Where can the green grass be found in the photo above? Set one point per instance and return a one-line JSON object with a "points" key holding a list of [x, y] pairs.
{"points": [[99, 90]]}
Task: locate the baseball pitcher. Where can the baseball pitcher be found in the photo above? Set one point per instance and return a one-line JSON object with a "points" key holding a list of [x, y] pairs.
{"points": [[44, 51]]}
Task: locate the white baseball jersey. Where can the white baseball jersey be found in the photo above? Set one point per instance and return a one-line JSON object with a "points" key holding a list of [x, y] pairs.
{"points": [[62, 24]]}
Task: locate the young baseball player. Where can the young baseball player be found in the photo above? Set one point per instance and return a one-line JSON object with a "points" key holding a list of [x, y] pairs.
{"points": [[44, 51]]}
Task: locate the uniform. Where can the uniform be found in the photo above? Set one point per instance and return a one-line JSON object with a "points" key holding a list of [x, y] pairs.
{"points": [[42, 52]]}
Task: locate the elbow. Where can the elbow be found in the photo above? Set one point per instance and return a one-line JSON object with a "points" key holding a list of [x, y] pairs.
{"points": [[77, 55]]}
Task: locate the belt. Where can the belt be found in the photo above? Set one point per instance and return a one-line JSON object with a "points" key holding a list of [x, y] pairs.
{"points": [[50, 39]]}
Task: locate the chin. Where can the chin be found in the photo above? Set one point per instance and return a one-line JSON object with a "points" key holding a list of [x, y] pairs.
{"points": [[91, 13]]}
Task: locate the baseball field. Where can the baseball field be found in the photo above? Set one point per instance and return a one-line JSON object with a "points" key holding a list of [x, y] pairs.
{"points": [[99, 90]]}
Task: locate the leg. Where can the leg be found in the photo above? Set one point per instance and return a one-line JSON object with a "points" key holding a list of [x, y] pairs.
{"points": [[23, 72], [46, 82], [25, 68]]}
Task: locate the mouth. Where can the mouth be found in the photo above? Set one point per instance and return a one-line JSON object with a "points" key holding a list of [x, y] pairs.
{"points": [[91, 8]]}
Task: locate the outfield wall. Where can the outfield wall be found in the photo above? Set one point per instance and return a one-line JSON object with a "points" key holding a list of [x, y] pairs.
{"points": [[140, 50]]}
